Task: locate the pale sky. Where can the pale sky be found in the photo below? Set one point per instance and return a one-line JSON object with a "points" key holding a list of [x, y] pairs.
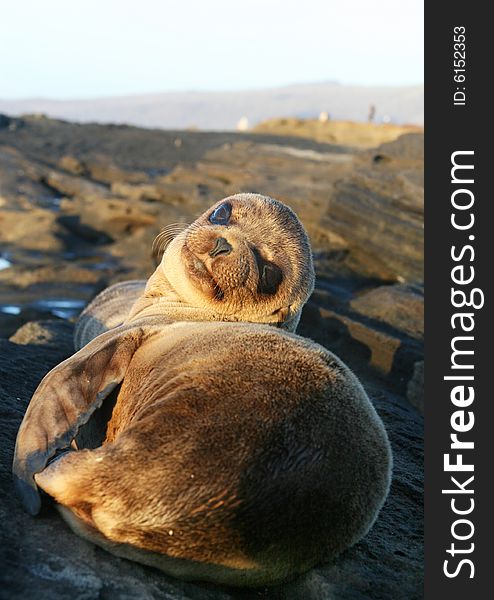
{"points": [[79, 49]]}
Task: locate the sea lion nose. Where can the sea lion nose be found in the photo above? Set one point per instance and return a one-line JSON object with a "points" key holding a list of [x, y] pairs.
{"points": [[221, 247]]}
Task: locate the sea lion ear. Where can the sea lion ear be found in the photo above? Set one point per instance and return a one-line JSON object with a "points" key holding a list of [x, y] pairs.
{"points": [[282, 314], [288, 318], [64, 401]]}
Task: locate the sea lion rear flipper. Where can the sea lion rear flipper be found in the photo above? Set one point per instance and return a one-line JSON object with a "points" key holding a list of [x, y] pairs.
{"points": [[64, 401]]}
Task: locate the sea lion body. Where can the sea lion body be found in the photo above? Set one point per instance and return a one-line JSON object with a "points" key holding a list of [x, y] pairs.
{"points": [[242, 480], [236, 452]]}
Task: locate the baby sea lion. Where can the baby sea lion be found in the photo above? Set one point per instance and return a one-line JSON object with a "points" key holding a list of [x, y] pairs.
{"points": [[236, 452], [247, 258]]}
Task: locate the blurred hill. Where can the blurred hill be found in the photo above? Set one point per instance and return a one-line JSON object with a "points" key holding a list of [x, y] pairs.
{"points": [[223, 110]]}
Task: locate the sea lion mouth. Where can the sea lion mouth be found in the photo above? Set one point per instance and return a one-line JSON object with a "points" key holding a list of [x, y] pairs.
{"points": [[200, 275]]}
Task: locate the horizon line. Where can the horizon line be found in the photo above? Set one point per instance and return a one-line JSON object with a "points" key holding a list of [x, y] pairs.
{"points": [[204, 91]]}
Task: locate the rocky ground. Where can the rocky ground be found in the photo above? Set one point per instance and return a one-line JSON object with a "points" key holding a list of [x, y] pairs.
{"points": [[80, 206], [325, 129]]}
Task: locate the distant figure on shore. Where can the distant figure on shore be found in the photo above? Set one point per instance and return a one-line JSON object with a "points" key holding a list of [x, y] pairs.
{"points": [[372, 113], [323, 117], [243, 124]]}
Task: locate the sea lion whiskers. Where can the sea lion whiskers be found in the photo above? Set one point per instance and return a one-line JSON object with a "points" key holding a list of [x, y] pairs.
{"points": [[172, 228], [170, 232], [165, 236]]}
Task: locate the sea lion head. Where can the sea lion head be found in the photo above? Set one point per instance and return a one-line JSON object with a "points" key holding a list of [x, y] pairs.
{"points": [[247, 258]]}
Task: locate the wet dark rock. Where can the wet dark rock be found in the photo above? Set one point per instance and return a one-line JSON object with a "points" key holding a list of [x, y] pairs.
{"points": [[377, 210], [407, 147], [380, 216], [5, 121], [400, 306], [415, 389], [87, 233], [362, 343], [9, 323]]}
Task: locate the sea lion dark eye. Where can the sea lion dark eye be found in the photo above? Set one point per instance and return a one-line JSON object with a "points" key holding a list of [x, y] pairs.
{"points": [[270, 279], [221, 215]]}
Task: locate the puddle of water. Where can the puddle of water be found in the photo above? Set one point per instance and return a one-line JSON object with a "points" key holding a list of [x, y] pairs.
{"points": [[49, 202], [4, 263], [24, 257], [60, 307], [59, 303], [10, 309]]}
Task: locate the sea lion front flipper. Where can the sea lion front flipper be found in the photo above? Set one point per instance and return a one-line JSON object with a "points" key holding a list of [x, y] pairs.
{"points": [[64, 401]]}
